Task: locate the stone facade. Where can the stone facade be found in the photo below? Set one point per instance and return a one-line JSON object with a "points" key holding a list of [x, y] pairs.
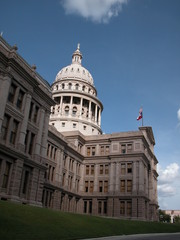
{"points": [[77, 169]]}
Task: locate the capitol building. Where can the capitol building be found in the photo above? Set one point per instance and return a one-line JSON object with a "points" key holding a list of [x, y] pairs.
{"points": [[52, 150]]}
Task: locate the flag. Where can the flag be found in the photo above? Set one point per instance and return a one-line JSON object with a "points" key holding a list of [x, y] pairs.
{"points": [[140, 114]]}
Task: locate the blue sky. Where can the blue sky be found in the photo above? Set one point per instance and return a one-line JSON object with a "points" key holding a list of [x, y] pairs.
{"points": [[131, 48]]}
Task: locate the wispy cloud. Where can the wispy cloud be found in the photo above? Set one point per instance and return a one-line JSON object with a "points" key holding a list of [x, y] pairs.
{"points": [[167, 180], [100, 11], [178, 114]]}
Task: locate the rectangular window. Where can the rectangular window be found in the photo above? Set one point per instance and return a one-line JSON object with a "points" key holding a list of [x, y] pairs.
{"points": [[129, 147], [88, 151], [100, 186], [20, 99], [106, 169], [63, 180], [129, 185], [129, 208], [107, 150], [122, 207], [101, 169], [122, 186], [123, 148], [93, 151], [92, 169], [105, 207], [105, 186], [12, 92], [35, 114], [99, 207], [87, 169], [5, 126], [6, 175], [14, 131], [91, 186], [129, 168], [26, 140], [123, 168], [86, 186], [31, 143], [90, 206], [102, 150], [64, 160], [25, 183], [85, 206], [31, 110]]}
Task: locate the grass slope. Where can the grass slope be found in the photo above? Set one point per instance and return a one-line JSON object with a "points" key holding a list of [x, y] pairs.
{"points": [[30, 223]]}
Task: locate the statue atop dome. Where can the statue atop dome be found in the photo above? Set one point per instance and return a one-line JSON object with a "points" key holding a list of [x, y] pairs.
{"points": [[77, 56]]}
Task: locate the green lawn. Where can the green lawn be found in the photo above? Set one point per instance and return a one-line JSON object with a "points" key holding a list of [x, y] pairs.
{"points": [[27, 222]]}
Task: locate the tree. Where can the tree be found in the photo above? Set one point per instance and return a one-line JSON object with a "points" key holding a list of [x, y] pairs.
{"points": [[163, 217], [176, 219]]}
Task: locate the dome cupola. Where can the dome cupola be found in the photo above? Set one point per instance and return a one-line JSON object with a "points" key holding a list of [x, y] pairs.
{"points": [[77, 106], [77, 56]]}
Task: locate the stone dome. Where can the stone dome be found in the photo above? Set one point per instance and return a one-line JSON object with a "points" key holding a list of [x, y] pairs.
{"points": [[75, 70]]}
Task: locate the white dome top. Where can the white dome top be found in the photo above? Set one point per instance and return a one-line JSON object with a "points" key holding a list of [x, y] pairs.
{"points": [[75, 70]]}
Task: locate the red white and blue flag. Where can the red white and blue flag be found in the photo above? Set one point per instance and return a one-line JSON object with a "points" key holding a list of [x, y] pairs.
{"points": [[140, 114]]}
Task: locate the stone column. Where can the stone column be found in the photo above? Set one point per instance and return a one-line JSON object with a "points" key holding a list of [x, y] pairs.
{"points": [[112, 178], [134, 189], [96, 173], [45, 134], [58, 167], [40, 130], [24, 121], [15, 183], [141, 178], [81, 184], [61, 105], [89, 115], [74, 176], [117, 187], [5, 82], [99, 119], [70, 109], [61, 167], [80, 112], [96, 114]]}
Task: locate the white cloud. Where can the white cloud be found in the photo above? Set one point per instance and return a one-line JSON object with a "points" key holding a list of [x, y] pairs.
{"points": [[167, 180], [95, 10], [165, 190], [169, 174]]}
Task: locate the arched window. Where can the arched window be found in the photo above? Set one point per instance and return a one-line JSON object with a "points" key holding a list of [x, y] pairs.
{"points": [[63, 85], [77, 86], [74, 111], [66, 109], [83, 88], [70, 86]]}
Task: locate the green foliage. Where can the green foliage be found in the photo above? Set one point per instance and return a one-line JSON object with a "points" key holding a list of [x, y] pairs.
{"points": [[163, 217], [177, 219], [22, 222]]}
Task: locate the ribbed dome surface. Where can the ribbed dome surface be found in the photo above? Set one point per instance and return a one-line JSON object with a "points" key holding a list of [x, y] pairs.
{"points": [[74, 71]]}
